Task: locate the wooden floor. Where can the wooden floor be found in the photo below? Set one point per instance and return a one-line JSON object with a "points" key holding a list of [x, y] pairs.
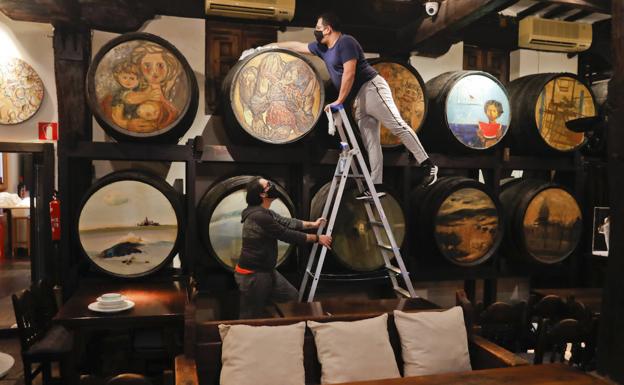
{"points": [[14, 276]]}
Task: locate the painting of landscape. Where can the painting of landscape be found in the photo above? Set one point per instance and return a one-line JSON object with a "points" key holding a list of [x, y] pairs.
{"points": [[466, 225], [128, 228], [226, 229], [552, 225]]}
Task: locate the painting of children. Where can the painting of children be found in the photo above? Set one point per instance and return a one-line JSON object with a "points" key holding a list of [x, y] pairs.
{"points": [[489, 133], [141, 88]]}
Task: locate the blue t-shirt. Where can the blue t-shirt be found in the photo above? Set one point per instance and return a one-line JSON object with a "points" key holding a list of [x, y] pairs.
{"points": [[345, 49]]}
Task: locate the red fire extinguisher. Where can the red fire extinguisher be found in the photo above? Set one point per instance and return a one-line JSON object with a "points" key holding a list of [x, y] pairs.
{"points": [[55, 218]]}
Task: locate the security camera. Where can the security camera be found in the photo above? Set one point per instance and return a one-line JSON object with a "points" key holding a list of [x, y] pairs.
{"points": [[431, 7]]}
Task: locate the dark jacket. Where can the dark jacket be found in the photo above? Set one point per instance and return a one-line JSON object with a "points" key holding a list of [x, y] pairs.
{"points": [[261, 230]]}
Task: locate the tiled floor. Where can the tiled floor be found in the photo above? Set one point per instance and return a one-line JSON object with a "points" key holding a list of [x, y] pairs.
{"points": [[14, 276]]}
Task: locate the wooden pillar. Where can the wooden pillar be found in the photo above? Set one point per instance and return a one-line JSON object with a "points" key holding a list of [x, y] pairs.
{"points": [[611, 337], [72, 55]]}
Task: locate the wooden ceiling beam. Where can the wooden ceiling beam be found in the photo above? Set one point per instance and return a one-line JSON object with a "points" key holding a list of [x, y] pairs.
{"points": [[532, 10], [452, 16], [597, 6], [578, 15], [556, 11]]}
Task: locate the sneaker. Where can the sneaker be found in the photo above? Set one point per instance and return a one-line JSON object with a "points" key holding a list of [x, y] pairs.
{"points": [[432, 177], [368, 196]]}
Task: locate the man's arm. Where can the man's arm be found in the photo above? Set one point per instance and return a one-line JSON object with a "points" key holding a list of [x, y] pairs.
{"points": [[348, 76], [296, 46]]}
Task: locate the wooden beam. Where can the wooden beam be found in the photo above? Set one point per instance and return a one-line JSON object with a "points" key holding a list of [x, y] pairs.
{"points": [[599, 6], [556, 11], [452, 16], [532, 10], [611, 335], [578, 16]]}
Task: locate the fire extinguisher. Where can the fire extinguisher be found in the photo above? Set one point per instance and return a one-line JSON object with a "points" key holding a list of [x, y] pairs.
{"points": [[55, 217]]}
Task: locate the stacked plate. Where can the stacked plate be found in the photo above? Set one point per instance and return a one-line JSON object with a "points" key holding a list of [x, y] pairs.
{"points": [[110, 303]]}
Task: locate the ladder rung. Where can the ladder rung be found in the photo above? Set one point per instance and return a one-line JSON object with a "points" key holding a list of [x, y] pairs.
{"points": [[385, 247], [402, 291], [359, 176], [308, 272], [377, 223], [394, 269]]}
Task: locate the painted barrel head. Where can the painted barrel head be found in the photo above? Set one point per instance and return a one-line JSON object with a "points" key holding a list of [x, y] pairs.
{"points": [[478, 111], [466, 226], [552, 225], [409, 97], [21, 91], [142, 88], [354, 243], [276, 97], [563, 98], [128, 228], [226, 230]]}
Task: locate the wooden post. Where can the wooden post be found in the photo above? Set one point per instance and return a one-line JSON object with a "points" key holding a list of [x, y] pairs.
{"points": [[72, 54], [611, 336]]}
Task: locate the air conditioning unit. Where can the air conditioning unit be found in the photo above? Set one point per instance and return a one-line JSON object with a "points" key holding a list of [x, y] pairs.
{"points": [[278, 10], [554, 35]]}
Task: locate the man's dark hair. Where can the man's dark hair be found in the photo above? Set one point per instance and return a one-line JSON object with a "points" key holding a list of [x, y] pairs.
{"points": [[254, 189], [332, 20]]}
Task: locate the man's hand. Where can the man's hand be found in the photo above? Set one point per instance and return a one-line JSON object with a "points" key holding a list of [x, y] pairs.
{"points": [[318, 223], [329, 106], [325, 240]]}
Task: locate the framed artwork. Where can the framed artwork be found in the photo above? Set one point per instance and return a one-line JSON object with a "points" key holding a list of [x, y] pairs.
{"points": [[129, 224], [601, 229], [4, 171], [21, 91], [141, 88]]}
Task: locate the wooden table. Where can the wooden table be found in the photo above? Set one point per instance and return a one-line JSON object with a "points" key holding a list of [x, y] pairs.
{"points": [[156, 303], [590, 297], [343, 306], [551, 374]]}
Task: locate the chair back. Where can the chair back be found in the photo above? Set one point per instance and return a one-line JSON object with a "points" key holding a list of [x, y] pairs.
{"points": [[46, 306], [129, 379], [555, 339], [29, 330], [503, 324]]}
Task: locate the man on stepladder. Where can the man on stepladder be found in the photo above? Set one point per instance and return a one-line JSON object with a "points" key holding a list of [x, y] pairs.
{"points": [[357, 80]]}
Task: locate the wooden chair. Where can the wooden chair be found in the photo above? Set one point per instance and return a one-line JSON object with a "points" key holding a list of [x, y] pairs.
{"points": [[503, 324], [46, 304], [20, 237], [129, 379], [40, 345]]}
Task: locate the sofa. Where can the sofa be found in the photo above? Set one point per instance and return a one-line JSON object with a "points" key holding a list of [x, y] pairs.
{"points": [[201, 362]]}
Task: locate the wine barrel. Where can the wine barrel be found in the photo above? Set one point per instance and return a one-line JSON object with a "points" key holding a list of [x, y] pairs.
{"points": [[130, 224], [219, 219], [456, 219], [140, 88], [408, 90], [468, 111], [541, 105], [544, 221], [354, 244], [275, 95]]}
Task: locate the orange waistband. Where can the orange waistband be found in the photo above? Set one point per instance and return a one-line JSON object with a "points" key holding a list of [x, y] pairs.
{"points": [[240, 270]]}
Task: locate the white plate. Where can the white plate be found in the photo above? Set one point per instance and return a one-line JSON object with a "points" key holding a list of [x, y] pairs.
{"points": [[6, 363], [94, 306]]}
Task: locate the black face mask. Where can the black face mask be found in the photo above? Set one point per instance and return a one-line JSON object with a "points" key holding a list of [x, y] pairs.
{"points": [[272, 193], [318, 35]]}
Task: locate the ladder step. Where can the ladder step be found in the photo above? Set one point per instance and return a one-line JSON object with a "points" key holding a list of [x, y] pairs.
{"points": [[308, 272], [358, 176], [402, 291], [393, 269], [385, 247], [377, 223]]}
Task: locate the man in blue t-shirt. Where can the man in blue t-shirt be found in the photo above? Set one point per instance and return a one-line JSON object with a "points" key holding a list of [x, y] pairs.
{"points": [[358, 81]]}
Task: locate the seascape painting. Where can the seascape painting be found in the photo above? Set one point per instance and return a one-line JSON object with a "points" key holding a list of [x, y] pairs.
{"points": [[226, 229], [21, 91], [552, 225], [276, 97], [562, 99], [141, 88], [478, 111], [128, 228], [466, 225], [409, 97]]}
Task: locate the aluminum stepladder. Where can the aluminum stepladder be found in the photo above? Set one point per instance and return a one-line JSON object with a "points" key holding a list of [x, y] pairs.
{"points": [[357, 170]]}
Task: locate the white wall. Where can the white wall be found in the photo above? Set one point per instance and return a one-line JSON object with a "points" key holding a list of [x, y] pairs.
{"points": [[31, 42], [429, 68], [526, 62]]}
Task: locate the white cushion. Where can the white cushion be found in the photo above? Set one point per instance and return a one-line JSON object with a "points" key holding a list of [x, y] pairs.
{"points": [[433, 342], [262, 355], [354, 351]]}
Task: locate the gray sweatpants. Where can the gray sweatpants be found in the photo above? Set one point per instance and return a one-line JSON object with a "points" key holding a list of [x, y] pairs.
{"points": [[372, 106], [258, 289]]}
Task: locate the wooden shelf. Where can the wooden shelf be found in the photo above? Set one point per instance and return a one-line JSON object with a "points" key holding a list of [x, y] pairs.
{"points": [[131, 151]]}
